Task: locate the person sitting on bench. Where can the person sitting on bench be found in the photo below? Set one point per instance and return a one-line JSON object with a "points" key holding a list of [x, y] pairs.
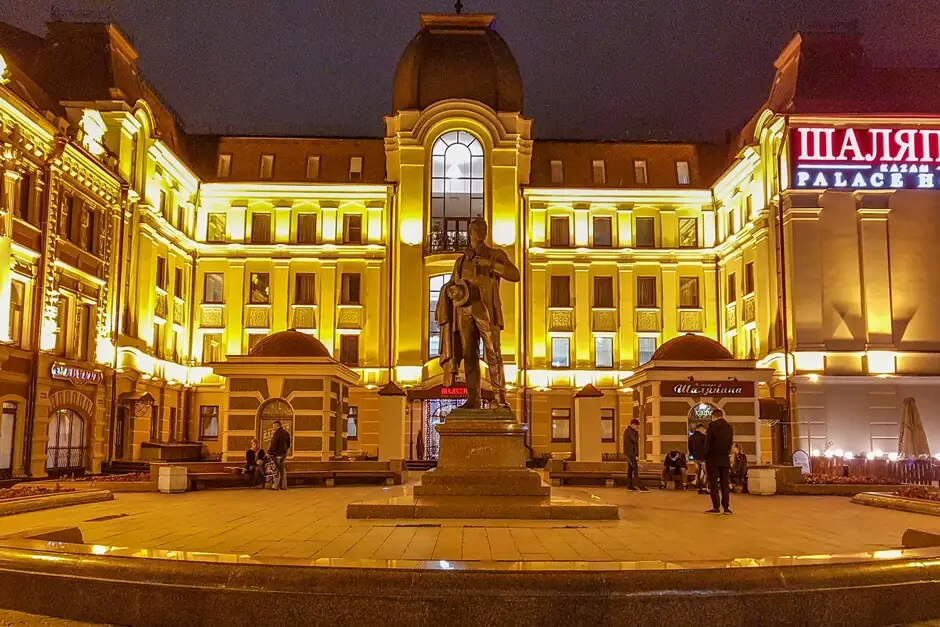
{"points": [[738, 477], [254, 464], [675, 469]]}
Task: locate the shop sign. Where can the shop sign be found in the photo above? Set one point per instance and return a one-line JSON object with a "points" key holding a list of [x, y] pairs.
{"points": [[453, 391], [75, 374], [864, 158], [739, 389]]}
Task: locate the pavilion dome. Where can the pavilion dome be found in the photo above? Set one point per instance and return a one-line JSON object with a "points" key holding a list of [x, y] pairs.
{"points": [[457, 56], [691, 347], [289, 343]]}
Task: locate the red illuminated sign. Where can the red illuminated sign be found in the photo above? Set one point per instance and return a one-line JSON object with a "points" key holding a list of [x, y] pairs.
{"points": [[864, 158], [451, 391]]}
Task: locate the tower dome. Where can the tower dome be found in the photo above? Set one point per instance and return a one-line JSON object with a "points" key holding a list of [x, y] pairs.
{"points": [[457, 56], [691, 347], [289, 343]]}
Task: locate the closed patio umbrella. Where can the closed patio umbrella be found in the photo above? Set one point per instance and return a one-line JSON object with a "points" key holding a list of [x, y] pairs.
{"points": [[912, 441]]}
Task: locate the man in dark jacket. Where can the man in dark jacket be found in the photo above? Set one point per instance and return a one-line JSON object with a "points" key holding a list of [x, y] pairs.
{"points": [[631, 450], [697, 453], [719, 439], [675, 469], [280, 446]]}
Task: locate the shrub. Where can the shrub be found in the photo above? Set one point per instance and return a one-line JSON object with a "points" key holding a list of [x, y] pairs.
{"points": [[820, 479], [28, 490], [919, 492]]}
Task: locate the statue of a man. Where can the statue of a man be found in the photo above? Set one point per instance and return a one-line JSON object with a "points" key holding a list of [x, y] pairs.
{"points": [[469, 311]]}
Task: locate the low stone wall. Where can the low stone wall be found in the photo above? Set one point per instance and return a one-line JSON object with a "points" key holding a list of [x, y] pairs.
{"points": [[835, 489], [892, 501], [104, 484], [8, 507]]}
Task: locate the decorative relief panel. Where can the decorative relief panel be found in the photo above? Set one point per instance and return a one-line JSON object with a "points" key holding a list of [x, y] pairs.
{"points": [[731, 316], [749, 309], [560, 320], [304, 318], [349, 318], [690, 320], [605, 320], [179, 312], [160, 309], [258, 317], [211, 317], [648, 320]]}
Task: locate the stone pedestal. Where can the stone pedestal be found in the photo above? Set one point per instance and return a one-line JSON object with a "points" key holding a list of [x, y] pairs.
{"points": [[392, 401], [762, 480], [172, 479], [587, 424]]}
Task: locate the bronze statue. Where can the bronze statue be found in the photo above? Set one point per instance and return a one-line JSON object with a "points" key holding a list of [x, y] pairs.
{"points": [[469, 310]]}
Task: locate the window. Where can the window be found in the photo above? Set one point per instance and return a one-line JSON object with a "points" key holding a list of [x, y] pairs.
{"points": [[456, 188], [560, 233], [161, 272], [211, 348], [752, 348], [224, 169], [90, 231], [435, 285], [208, 422], [259, 288], [560, 352], [688, 233], [558, 172], [17, 304], [608, 428], [748, 206], [253, 339], [355, 168], [603, 232], [560, 291], [24, 191], [640, 174], [647, 346], [305, 288], [215, 228], [62, 321], [83, 336], [645, 233], [261, 228], [733, 345], [349, 350], [7, 423], [164, 203], [178, 282], [561, 425], [313, 167], [682, 172], [213, 292], [352, 229], [732, 289], [603, 352], [646, 292], [749, 277], [66, 212], [158, 340], [688, 292], [350, 287], [603, 291], [352, 423], [598, 172], [307, 228], [267, 167], [65, 444]]}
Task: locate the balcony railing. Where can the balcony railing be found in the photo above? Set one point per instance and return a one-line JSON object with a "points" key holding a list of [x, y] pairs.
{"points": [[446, 242]]}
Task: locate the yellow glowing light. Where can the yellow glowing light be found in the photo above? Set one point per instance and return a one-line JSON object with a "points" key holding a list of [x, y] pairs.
{"points": [[411, 232], [411, 374], [104, 351], [504, 232], [881, 362], [813, 378], [93, 130], [807, 360], [47, 334]]}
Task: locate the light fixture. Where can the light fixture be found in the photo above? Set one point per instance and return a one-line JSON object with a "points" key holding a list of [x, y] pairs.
{"points": [[815, 452], [869, 456], [839, 452], [848, 455], [829, 454], [892, 457]]}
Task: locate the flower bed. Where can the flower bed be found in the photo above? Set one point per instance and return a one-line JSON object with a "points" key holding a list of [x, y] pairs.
{"points": [[131, 476], [21, 491], [821, 479], [919, 492]]}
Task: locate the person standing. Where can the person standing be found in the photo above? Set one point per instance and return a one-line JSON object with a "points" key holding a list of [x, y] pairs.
{"points": [[738, 468], [718, 441], [280, 446], [631, 449], [697, 453]]}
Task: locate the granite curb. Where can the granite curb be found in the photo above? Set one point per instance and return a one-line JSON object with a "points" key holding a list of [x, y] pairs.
{"points": [[9, 507], [892, 501]]}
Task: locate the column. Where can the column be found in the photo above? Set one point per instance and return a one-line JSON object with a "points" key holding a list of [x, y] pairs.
{"points": [[804, 269], [627, 334], [329, 226], [281, 291], [668, 228], [670, 301], [873, 245], [234, 307], [581, 227], [536, 319], [582, 317], [625, 226], [326, 325], [392, 400], [587, 424]]}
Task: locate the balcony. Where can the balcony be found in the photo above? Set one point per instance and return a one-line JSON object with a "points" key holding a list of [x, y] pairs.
{"points": [[446, 242]]}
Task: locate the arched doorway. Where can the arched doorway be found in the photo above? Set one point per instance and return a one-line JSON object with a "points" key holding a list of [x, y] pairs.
{"points": [[66, 448], [700, 414], [276, 409]]}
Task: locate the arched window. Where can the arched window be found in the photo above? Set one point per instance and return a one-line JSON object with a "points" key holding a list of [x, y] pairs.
{"points": [[65, 447], [456, 189], [279, 410], [434, 330], [7, 428]]}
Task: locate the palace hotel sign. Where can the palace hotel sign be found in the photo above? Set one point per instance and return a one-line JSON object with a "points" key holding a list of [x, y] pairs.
{"points": [[712, 389], [847, 157]]}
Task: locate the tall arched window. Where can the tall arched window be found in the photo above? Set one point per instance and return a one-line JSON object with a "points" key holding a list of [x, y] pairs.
{"points": [[275, 410], [65, 447], [456, 189], [434, 329]]}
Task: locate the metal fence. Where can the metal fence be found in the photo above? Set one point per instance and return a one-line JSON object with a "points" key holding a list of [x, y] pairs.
{"points": [[912, 471]]}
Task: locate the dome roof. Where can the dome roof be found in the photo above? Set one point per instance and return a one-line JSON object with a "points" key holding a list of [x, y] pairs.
{"points": [[289, 343], [457, 56], [690, 347]]}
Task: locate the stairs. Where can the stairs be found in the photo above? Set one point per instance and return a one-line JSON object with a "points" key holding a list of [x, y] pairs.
{"points": [[124, 467], [420, 464]]}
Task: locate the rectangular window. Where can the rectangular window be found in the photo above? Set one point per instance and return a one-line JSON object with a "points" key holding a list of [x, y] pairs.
{"points": [[261, 228], [350, 289], [24, 192], [173, 425], [749, 277], [349, 350], [355, 168], [161, 273], [305, 288], [158, 340], [688, 292], [7, 422], [733, 345], [313, 167], [558, 172], [560, 234], [208, 422], [645, 233], [646, 292], [224, 169], [688, 232], [253, 339], [17, 304], [598, 172], [259, 288], [647, 346], [352, 423], [560, 352], [84, 335], [732, 289], [603, 291], [748, 206], [213, 292], [164, 204], [215, 228], [66, 211], [211, 348], [603, 232], [62, 322], [307, 228], [561, 425], [682, 172], [352, 229], [608, 426], [752, 351], [560, 291], [178, 283], [603, 352], [640, 173], [90, 242], [155, 423], [267, 167]]}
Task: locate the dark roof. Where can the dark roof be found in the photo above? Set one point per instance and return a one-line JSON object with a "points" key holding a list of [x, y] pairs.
{"points": [[289, 343], [691, 347]]}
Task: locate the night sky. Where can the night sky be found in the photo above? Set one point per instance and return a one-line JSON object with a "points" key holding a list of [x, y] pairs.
{"points": [[602, 69]]}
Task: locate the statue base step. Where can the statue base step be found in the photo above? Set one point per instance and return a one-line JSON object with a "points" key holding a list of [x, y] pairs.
{"points": [[444, 482], [472, 507]]}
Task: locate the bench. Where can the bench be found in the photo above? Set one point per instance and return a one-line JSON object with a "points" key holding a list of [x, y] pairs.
{"points": [[608, 473], [203, 475]]}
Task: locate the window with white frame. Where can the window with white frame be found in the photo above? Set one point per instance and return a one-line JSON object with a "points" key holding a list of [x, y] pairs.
{"points": [[435, 285], [646, 346], [561, 352], [456, 188], [561, 425], [640, 172], [267, 167], [224, 169], [682, 172], [603, 352], [355, 168], [598, 172], [313, 167], [558, 172], [352, 423]]}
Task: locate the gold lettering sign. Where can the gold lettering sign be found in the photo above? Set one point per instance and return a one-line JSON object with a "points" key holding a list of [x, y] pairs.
{"points": [[75, 374]]}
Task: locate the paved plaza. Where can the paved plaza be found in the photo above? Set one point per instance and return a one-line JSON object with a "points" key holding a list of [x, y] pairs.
{"points": [[311, 523]]}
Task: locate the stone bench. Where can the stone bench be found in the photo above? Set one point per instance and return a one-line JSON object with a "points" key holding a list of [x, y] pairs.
{"points": [[203, 475], [610, 473]]}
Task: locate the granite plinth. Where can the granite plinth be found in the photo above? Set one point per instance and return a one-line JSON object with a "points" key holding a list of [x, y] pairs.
{"points": [[444, 482], [496, 507], [482, 439]]}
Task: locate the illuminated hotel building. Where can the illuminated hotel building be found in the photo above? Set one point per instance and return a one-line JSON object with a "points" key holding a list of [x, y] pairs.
{"points": [[134, 255]]}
